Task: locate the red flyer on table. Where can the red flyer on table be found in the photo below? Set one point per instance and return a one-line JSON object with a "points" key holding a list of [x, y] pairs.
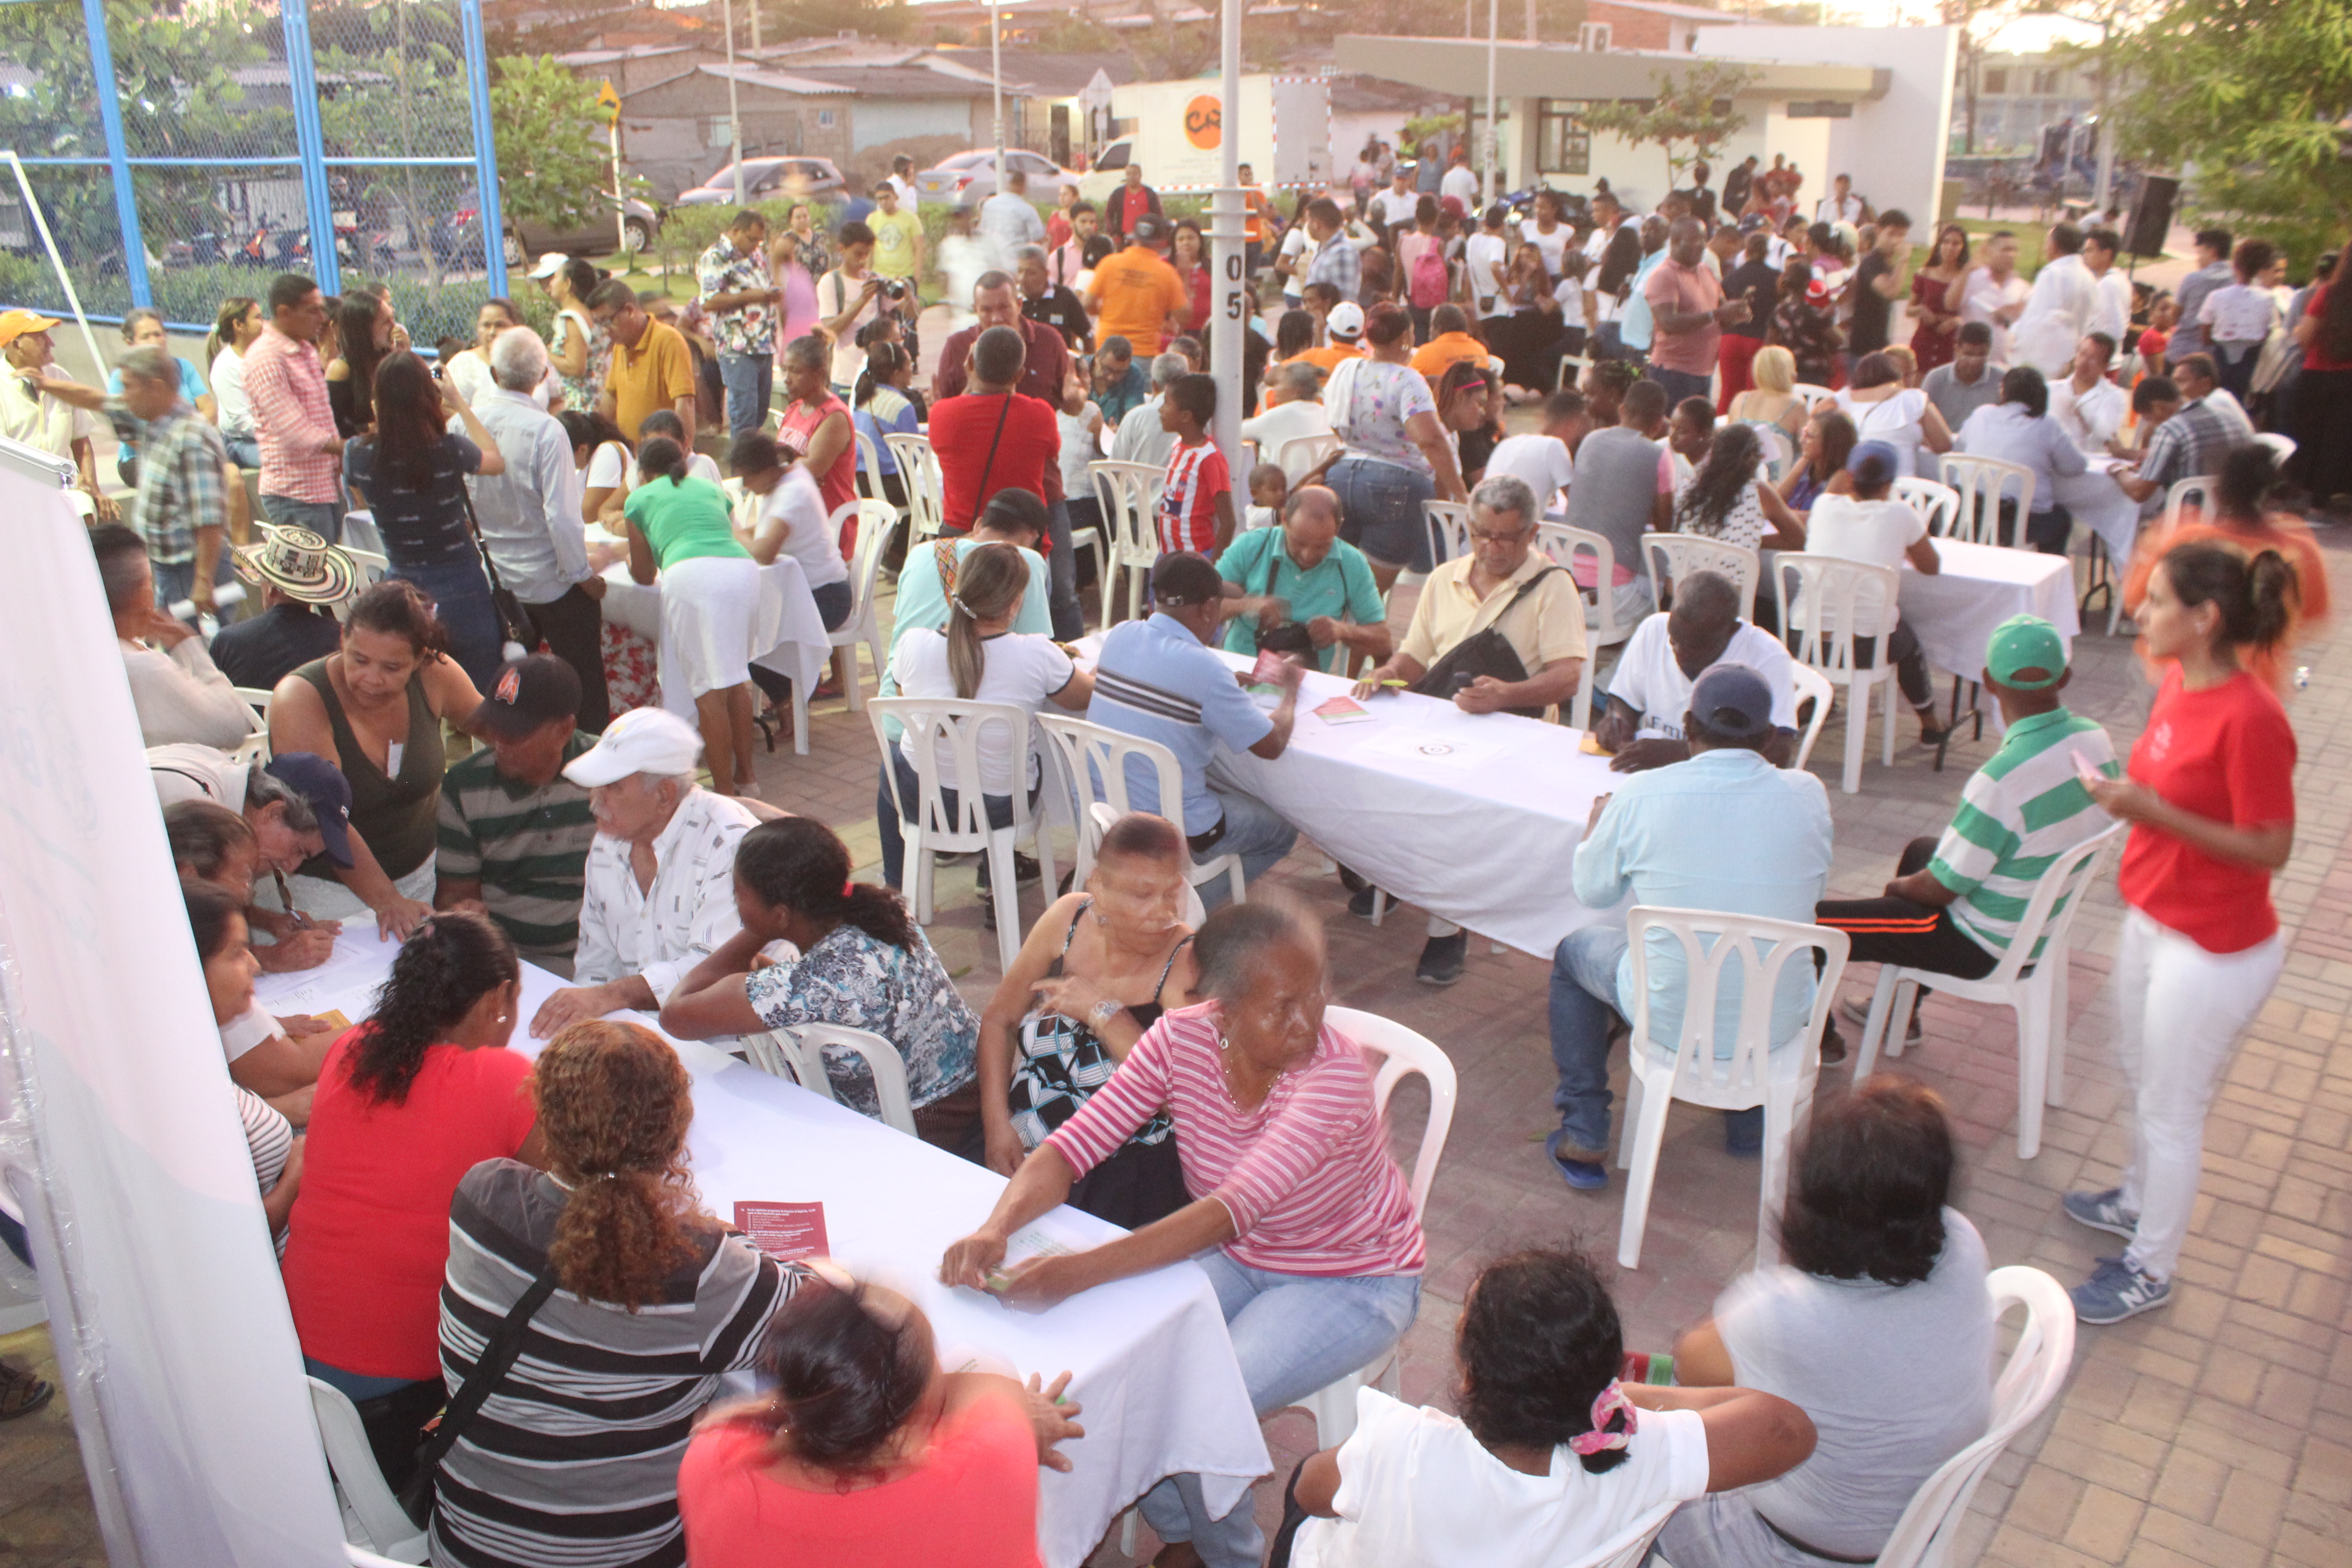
{"points": [[785, 1232]]}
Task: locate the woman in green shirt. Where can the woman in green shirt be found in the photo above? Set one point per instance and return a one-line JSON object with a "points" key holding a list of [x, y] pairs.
{"points": [[710, 600]]}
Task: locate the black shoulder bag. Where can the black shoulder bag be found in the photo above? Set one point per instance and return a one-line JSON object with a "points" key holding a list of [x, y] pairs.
{"points": [[981, 496], [497, 1358], [514, 623], [1484, 652], [1290, 637]]}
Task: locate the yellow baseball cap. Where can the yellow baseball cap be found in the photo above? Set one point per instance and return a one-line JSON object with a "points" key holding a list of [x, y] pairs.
{"points": [[15, 325]]}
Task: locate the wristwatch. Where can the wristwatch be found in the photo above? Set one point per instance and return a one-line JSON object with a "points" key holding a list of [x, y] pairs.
{"points": [[1102, 1013]]}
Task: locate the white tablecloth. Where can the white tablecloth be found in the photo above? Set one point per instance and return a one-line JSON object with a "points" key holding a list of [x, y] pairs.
{"points": [[1482, 836], [788, 633], [1953, 613], [2099, 504], [1150, 1357]]}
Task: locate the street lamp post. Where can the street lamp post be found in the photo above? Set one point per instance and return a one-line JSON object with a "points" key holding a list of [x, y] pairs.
{"points": [[734, 108], [1229, 317]]}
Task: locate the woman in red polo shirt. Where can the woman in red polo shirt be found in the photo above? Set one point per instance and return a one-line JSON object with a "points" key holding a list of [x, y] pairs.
{"points": [[408, 1103], [2210, 800]]}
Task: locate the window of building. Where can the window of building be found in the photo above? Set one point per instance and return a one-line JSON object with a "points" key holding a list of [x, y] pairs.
{"points": [[2045, 81], [1827, 108], [1563, 145], [1996, 83]]}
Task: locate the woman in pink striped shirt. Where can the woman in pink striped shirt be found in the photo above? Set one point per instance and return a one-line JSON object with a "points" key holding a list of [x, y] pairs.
{"points": [[1302, 1221]]}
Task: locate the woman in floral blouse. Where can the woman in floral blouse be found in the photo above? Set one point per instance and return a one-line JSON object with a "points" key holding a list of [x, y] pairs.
{"points": [[863, 962], [1802, 324]]}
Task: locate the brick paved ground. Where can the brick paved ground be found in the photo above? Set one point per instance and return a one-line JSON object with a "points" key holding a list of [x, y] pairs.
{"points": [[2216, 1432]]}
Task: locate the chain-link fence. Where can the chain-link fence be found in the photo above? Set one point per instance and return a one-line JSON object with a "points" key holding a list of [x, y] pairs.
{"points": [[246, 140]]}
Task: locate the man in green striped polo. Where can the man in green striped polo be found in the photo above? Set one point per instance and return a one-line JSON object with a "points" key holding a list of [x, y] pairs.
{"points": [[514, 831], [1956, 900]]}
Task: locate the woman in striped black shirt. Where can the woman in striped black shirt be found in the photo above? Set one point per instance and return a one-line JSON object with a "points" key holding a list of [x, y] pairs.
{"points": [[573, 1459]]}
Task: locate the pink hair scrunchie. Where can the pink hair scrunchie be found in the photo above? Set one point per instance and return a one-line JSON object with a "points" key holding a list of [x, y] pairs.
{"points": [[1610, 1403]]}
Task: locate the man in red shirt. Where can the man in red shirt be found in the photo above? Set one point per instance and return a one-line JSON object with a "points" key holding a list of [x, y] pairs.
{"points": [[1687, 314], [1129, 202], [991, 439]]}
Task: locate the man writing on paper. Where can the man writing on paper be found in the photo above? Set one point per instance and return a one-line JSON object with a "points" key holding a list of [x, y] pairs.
{"points": [[1650, 689]]}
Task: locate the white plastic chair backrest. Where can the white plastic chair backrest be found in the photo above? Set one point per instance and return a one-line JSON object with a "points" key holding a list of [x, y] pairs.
{"points": [[1300, 454], [869, 457], [918, 472], [1809, 683], [1401, 1052], [778, 1053], [388, 1526], [1099, 819], [1982, 484], [1812, 396], [361, 1557], [931, 722], [1757, 950], [881, 1059], [360, 532], [1561, 542], [1095, 761], [372, 565], [875, 521], [2282, 446], [1128, 492], [1938, 502], [2199, 489], [2068, 877], [1449, 526], [1828, 587], [1673, 557], [2036, 1370]]}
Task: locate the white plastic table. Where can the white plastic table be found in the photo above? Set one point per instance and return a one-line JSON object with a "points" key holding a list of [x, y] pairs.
{"points": [[788, 631], [1150, 1357], [1954, 611]]}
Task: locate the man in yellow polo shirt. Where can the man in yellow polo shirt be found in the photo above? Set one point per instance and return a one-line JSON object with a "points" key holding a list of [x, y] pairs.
{"points": [[652, 367], [1136, 295]]}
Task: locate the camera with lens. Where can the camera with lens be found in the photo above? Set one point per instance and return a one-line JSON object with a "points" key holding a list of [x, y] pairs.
{"points": [[893, 289]]}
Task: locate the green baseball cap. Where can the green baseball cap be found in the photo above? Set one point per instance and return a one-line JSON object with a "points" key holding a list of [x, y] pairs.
{"points": [[2021, 642]]}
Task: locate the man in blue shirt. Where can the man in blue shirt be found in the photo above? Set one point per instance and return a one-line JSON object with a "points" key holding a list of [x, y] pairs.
{"points": [[1302, 571], [1158, 681], [1726, 831]]}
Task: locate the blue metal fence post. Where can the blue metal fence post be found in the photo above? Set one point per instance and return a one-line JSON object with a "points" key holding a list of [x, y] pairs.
{"points": [[486, 149], [110, 114], [310, 142]]}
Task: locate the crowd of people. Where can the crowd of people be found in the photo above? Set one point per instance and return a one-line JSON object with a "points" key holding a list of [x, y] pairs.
{"points": [[439, 1199]]}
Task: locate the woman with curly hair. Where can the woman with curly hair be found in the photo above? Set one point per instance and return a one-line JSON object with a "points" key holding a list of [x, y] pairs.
{"points": [[1553, 1457], [1877, 1326], [408, 1103], [653, 1298], [1726, 497]]}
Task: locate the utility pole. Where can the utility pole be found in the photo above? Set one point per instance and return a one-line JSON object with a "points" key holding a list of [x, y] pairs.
{"points": [[734, 108], [996, 83], [1488, 150], [1230, 317]]}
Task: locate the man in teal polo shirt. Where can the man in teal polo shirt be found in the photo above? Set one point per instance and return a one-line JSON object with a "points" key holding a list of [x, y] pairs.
{"points": [[1304, 572]]}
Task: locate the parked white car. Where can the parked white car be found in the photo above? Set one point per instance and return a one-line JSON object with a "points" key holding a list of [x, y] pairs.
{"points": [[970, 178]]}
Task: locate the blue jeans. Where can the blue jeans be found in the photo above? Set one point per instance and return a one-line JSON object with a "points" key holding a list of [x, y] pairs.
{"points": [[750, 381], [894, 837], [461, 599], [1679, 384], [1061, 576], [1379, 511], [323, 518], [175, 581], [1583, 1001], [1255, 832], [243, 450], [1292, 1334]]}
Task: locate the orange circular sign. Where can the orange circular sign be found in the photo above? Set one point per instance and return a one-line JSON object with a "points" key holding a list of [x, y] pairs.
{"points": [[1204, 122]]}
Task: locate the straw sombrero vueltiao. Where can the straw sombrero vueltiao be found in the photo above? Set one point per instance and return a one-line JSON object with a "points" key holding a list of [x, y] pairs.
{"points": [[299, 564]]}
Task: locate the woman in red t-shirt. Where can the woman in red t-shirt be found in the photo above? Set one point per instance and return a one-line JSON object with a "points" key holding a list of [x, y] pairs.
{"points": [[2323, 391], [2210, 799], [866, 1451], [408, 1103], [1188, 252], [816, 426]]}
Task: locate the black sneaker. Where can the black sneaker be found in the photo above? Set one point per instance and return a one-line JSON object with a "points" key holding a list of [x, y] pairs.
{"points": [[1441, 960], [1360, 906], [1026, 872]]}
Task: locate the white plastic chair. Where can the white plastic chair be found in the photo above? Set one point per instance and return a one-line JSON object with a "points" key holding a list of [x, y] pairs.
{"points": [[863, 626], [373, 566], [1812, 685], [1562, 379], [2036, 1370], [1094, 760], [1775, 1074], [2201, 490], [1402, 1051], [1102, 816], [777, 1053], [2035, 992], [1562, 542], [1671, 557], [1307, 451], [1933, 499], [1812, 396], [1128, 492], [256, 740], [806, 1066], [372, 1505], [918, 472], [1449, 527], [1828, 588], [359, 532], [931, 829], [1982, 484], [2282, 446]]}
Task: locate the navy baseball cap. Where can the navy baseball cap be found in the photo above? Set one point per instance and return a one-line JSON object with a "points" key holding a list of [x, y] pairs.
{"points": [[328, 794], [531, 693], [1733, 700]]}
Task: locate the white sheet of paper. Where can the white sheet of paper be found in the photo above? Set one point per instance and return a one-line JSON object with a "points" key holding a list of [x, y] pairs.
{"points": [[1431, 751]]}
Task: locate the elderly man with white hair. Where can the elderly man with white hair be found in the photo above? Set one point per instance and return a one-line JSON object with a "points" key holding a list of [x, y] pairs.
{"points": [[1141, 439], [530, 517], [659, 896]]}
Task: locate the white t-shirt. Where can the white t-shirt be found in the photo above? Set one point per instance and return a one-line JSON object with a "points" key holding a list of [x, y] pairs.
{"points": [[1081, 445], [1390, 207], [247, 1029], [611, 467], [835, 293], [228, 392], [1487, 256], [2089, 418], [1542, 460], [1894, 420], [809, 537], [1417, 1490], [1300, 247], [1877, 532], [1462, 184], [1554, 245], [1569, 292], [1285, 423], [1649, 682], [2240, 313], [1024, 671]]}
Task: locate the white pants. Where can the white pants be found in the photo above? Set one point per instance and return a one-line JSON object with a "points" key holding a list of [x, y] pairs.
{"points": [[2179, 1013]]}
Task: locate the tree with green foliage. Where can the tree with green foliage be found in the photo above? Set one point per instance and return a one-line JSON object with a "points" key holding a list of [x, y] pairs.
{"points": [[2254, 97], [553, 165], [1689, 120]]}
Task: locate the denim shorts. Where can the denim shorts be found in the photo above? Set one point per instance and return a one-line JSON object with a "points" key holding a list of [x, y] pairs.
{"points": [[1379, 511]]}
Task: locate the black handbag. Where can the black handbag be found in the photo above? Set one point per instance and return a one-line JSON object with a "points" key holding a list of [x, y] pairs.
{"points": [[498, 1357], [1484, 652], [1291, 637], [514, 621]]}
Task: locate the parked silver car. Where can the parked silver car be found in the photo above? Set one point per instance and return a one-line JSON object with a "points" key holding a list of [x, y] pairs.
{"points": [[970, 178], [770, 179]]}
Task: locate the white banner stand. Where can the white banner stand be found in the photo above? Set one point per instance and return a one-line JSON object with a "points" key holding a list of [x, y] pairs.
{"points": [[117, 1123]]}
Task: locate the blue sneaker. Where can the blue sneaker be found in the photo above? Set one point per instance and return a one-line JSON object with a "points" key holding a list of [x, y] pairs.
{"points": [[2102, 1211], [2116, 1290], [1583, 1176]]}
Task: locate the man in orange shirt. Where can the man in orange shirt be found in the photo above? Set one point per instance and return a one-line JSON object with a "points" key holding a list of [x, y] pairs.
{"points": [[1136, 295], [1344, 327], [1260, 210], [1450, 342]]}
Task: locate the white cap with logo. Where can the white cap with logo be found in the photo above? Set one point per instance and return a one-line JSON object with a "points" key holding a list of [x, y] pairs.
{"points": [[642, 740]]}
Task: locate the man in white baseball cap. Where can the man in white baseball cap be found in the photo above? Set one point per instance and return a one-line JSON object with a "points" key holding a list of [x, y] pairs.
{"points": [[660, 889]]}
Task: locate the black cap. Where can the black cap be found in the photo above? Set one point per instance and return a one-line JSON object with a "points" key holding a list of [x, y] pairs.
{"points": [[328, 794], [535, 690], [1184, 578], [1732, 701]]}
